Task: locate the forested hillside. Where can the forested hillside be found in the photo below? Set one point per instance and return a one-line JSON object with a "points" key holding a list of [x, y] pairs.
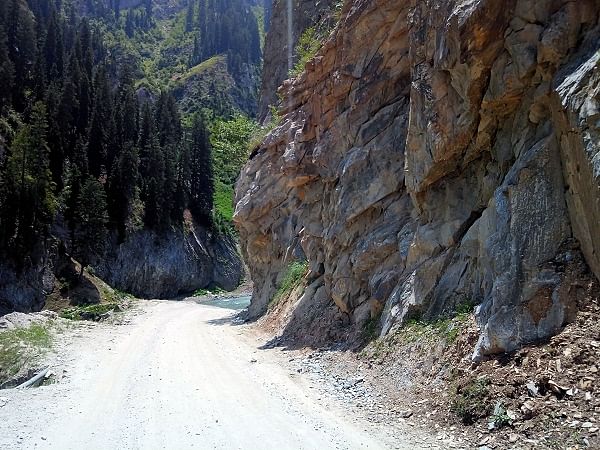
{"points": [[81, 143], [105, 113]]}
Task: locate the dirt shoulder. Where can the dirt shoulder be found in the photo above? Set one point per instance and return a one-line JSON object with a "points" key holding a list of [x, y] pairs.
{"points": [[543, 396]]}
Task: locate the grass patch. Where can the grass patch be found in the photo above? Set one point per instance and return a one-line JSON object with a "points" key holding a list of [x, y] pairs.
{"points": [[90, 312], [292, 278], [371, 328], [198, 69], [205, 292], [415, 331], [470, 401], [447, 329], [260, 133], [18, 347]]}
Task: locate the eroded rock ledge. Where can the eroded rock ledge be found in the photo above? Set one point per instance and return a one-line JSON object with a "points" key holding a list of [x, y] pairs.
{"points": [[436, 152]]}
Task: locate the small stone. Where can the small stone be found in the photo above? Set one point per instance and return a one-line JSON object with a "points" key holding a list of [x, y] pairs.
{"points": [[593, 430], [513, 438], [587, 425], [571, 392], [253, 360], [532, 389], [405, 414], [556, 388]]}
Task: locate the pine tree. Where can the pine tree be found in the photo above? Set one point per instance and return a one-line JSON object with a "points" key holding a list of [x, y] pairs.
{"points": [[127, 119], [155, 216], [189, 16], [201, 175], [21, 47], [6, 71], [148, 9], [98, 135], [84, 51], [53, 48], [182, 190], [28, 174], [91, 218], [129, 24], [77, 174], [123, 191]]}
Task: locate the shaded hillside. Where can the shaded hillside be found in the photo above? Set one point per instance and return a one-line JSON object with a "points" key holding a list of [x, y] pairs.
{"points": [[91, 161]]}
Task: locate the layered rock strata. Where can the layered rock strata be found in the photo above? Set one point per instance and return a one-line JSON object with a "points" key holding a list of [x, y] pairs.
{"points": [[437, 153]]}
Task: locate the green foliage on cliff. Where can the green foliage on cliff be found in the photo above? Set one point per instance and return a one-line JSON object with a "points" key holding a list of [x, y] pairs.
{"points": [[307, 47], [292, 277], [470, 401]]}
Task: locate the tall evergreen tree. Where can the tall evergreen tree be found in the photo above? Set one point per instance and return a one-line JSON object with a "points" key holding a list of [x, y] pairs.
{"points": [[91, 218], [123, 190], [189, 16], [6, 71], [201, 174], [53, 48], [22, 48], [28, 171], [98, 135]]}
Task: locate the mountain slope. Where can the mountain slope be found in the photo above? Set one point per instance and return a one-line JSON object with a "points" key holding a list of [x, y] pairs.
{"points": [[105, 111]]}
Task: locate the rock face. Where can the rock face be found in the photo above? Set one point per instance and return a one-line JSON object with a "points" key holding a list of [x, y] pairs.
{"points": [[304, 13], [436, 153], [24, 289], [177, 263], [145, 265]]}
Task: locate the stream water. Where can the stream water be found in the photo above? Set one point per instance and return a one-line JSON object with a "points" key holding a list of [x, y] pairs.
{"points": [[235, 303]]}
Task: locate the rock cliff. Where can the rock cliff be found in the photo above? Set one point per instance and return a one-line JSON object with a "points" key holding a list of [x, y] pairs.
{"points": [[436, 153], [146, 265], [280, 42], [150, 266]]}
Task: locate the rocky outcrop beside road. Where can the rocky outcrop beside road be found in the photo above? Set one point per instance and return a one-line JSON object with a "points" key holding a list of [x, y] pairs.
{"points": [[435, 154], [147, 265], [178, 262]]}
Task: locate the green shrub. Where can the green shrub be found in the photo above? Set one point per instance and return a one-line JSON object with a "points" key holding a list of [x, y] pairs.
{"points": [[223, 200], [204, 292], [470, 402], [371, 327], [307, 47], [501, 417], [90, 312], [292, 278]]}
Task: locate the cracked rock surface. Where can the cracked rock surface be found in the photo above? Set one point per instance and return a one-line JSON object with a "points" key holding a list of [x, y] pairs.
{"points": [[436, 153]]}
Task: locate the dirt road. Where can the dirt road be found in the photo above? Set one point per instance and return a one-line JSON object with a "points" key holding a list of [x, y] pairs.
{"points": [[179, 376]]}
